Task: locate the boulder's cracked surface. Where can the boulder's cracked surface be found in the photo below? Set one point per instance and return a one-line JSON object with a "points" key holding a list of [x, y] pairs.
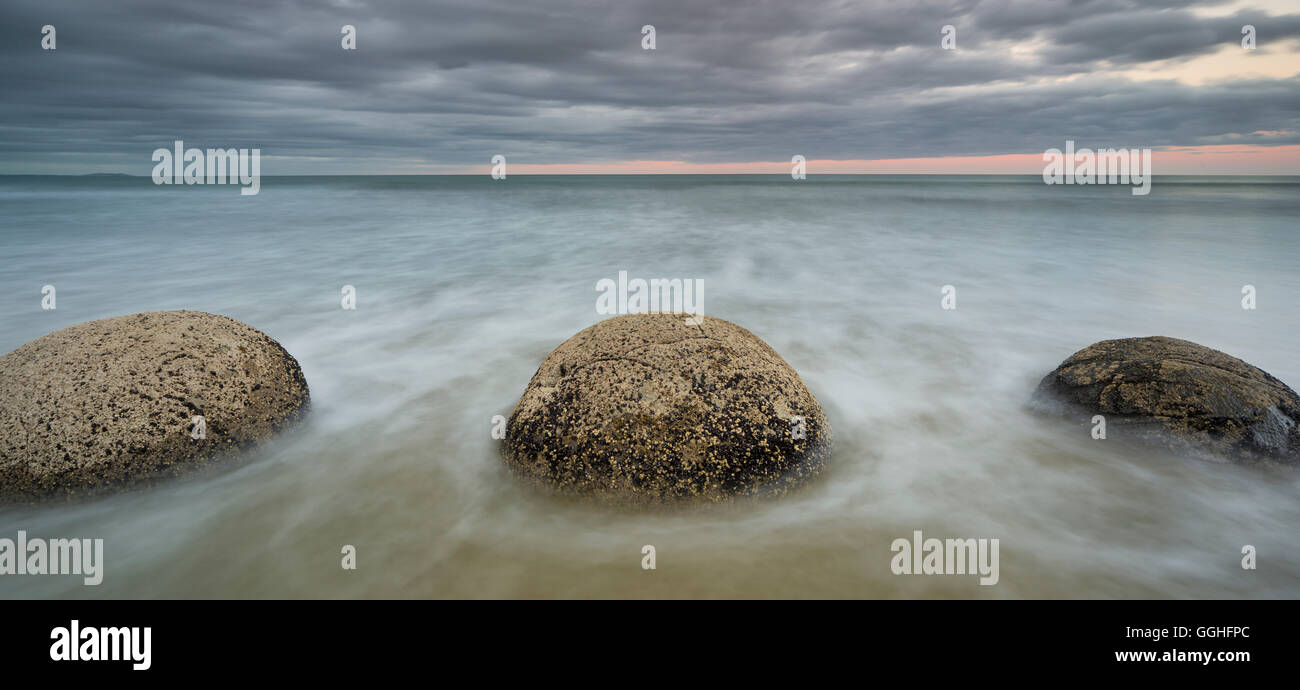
{"points": [[1180, 395], [108, 402], [649, 409]]}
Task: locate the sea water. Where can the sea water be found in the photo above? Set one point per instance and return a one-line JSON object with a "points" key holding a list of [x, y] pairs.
{"points": [[464, 284]]}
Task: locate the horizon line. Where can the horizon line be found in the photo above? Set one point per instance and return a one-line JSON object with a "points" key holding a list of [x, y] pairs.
{"points": [[1211, 159], [1215, 159], [668, 174]]}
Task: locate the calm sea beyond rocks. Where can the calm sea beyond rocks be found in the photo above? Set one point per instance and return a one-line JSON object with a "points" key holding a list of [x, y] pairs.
{"points": [[112, 402], [1179, 395], [651, 409]]}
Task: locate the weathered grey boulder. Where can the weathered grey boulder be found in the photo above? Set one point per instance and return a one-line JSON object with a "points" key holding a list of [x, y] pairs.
{"points": [[108, 402], [649, 409], [1174, 393]]}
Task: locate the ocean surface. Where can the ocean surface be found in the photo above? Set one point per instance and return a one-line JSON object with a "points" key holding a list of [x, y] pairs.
{"points": [[464, 284]]}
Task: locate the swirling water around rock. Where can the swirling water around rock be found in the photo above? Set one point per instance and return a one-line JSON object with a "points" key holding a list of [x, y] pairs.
{"points": [[464, 287]]}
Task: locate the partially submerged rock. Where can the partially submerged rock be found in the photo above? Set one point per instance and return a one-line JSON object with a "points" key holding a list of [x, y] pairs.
{"points": [[649, 408], [1179, 395], [109, 402]]}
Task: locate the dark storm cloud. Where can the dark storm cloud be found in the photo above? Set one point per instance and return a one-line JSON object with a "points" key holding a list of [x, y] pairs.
{"points": [[1145, 35], [562, 81]]}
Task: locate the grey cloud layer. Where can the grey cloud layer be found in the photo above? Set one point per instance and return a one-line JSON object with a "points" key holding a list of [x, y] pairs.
{"points": [[562, 81]]}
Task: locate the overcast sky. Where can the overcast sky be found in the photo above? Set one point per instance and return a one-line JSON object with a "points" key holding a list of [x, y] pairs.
{"points": [[443, 85]]}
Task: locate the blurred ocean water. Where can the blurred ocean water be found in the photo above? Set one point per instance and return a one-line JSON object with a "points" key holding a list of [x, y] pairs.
{"points": [[465, 284]]}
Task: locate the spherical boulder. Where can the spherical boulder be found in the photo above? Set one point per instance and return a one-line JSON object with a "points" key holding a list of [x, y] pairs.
{"points": [[114, 401], [665, 408], [1180, 395]]}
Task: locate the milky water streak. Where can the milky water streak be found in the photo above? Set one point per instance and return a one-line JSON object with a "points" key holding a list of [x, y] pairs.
{"points": [[465, 284]]}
